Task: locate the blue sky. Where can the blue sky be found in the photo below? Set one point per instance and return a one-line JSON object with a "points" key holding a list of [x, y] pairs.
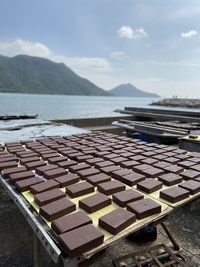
{"points": [[152, 44]]}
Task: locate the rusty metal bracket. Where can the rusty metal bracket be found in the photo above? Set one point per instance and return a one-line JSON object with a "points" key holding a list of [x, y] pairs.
{"points": [[175, 244]]}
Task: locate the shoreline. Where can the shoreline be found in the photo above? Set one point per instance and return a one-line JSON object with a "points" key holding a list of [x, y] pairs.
{"points": [[178, 102]]}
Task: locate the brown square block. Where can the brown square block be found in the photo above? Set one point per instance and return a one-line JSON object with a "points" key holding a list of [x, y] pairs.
{"points": [[26, 160], [54, 173], [78, 167], [57, 159], [7, 172], [24, 185], [153, 172], [117, 220], [35, 164], [162, 164], [16, 150], [49, 196], [43, 151], [48, 156], [15, 177], [4, 155], [110, 156], [149, 153], [57, 209], [170, 179], [132, 179], [186, 164], [118, 146], [149, 185], [172, 160], [119, 160], [98, 178], [190, 174], [149, 161], [180, 151], [27, 154], [67, 179], [111, 187], [74, 155], [127, 154], [70, 222], [102, 153], [159, 156], [174, 169], [138, 157], [129, 164], [10, 144], [110, 169], [196, 167], [89, 237], [137, 151], [79, 189], [8, 165], [41, 170], [144, 208], [174, 194], [67, 163], [126, 196], [118, 174], [170, 154], [90, 152], [95, 202], [84, 158], [141, 168], [192, 186], [183, 157], [102, 164], [8, 158], [94, 160], [88, 172], [44, 186]]}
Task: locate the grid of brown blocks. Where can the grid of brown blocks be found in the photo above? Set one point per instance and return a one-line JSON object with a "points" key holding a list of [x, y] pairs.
{"points": [[114, 168]]}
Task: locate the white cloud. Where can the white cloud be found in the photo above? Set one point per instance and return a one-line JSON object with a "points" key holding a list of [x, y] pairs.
{"points": [[125, 32], [78, 64], [20, 46], [129, 33], [140, 33], [119, 55], [189, 35]]}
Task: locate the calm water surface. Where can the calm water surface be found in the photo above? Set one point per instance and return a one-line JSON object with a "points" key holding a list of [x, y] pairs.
{"points": [[65, 107]]}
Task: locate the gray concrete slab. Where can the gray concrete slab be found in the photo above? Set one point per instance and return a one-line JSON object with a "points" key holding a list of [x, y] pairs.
{"points": [[31, 129]]}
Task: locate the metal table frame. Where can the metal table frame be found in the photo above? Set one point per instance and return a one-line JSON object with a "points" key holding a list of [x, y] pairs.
{"points": [[40, 230]]}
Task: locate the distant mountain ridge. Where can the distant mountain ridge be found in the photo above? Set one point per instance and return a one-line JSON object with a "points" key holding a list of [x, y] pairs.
{"points": [[130, 90], [26, 74]]}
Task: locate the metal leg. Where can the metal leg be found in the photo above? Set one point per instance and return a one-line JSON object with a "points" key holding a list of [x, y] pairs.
{"points": [[175, 244], [36, 246]]}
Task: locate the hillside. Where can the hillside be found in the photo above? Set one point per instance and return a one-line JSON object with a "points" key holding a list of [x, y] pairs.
{"points": [[26, 74], [130, 90]]}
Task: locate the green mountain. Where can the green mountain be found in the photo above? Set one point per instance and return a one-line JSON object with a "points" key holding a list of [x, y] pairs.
{"points": [[26, 74], [130, 90]]}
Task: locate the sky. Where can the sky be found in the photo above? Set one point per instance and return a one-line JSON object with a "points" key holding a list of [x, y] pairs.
{"points": [[153, 44]]}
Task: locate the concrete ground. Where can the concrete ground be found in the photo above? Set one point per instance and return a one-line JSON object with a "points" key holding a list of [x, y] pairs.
{"points": [[16, 246]]}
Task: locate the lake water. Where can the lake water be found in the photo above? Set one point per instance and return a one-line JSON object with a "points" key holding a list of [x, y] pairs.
{"points": [[66, 107]]}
